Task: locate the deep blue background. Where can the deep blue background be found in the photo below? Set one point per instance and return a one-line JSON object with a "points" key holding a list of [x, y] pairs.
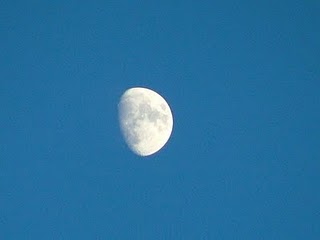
{"points": [[242, 79]]}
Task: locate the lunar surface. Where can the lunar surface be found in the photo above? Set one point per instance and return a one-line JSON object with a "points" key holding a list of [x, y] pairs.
{"points": [[146, 120]]}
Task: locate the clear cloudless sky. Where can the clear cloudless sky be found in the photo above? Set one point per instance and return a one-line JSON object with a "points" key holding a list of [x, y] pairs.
{"points": [[242, 79]]}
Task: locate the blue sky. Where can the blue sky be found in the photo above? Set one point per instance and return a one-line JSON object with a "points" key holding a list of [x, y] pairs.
{"points": [[242, 79]]}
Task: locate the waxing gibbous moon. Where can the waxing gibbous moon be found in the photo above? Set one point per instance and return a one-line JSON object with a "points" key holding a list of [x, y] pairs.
{"points": [[145, 119]]}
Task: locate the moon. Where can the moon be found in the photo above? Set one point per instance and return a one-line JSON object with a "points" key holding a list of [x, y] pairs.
{"points": [[145, 119]]}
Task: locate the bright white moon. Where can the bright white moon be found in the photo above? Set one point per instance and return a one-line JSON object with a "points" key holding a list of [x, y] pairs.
{"points": [[145, 120]]}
